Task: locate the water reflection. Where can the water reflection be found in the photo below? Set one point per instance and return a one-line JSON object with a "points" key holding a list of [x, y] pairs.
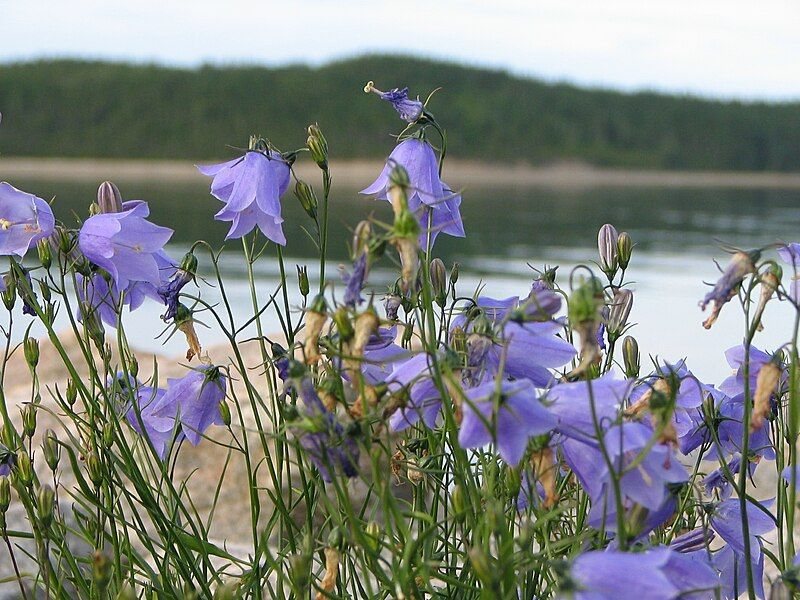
{"points": [[677, 232]]}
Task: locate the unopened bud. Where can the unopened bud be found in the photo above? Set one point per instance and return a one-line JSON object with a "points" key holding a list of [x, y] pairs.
{"points": [[361, 238], [481, 566], [624, 249], [10, 293], [584, 303], [302, 280], [5, 494], [23, 469], [225, 413], [109, 199], [620, 311], [72, 392], [31, 351], [94, 468], [336, 538], [457, 502], [439, 281], [308, 199], [607, 246], [630, 356], [454, 273], [189, 263], [29, 419], [317, 146], [373, 532], [108, 436], [45, 253], [46, 500], [51, 449], [343, 324]]}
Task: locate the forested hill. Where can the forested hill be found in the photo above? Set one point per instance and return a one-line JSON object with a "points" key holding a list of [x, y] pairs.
{"points": [[96, 109]]}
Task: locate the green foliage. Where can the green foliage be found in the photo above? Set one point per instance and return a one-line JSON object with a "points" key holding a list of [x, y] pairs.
{"points": [[71, 108]]}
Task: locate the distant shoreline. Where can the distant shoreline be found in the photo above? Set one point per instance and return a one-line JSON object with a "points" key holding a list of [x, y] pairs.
{"points": [[458, 173]]}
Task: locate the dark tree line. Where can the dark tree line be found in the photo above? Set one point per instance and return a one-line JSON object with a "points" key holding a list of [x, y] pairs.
{"points": [[74, 108]]}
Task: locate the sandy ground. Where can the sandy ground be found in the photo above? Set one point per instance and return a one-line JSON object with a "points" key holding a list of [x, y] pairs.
{"points": [[355, 172]]}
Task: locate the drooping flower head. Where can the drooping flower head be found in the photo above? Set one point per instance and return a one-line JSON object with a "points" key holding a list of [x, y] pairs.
{"points": [[125, 244], [170, 290], [251, 187], [194, 401], [324, 438], [509, 421], [408, 109], [24, 220], [740, 265], [434, 204]]}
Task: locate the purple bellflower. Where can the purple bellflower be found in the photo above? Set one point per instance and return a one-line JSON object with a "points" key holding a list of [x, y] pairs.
{"points": [[509, 423], [251, 187], [160, 430], [194, 400], [409, 110], [740, 265], [526, 350], [125, 244], [329, 447], [646, 482], [24, 220], [726, 520], [354, 282], [413, 377], [433, 203]]}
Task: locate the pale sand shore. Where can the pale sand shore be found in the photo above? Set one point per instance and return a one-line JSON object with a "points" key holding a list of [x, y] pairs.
{"points": [[355, 172]]}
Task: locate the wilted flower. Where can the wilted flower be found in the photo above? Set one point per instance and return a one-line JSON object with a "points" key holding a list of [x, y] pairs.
{"points": [[717, 481], [409, 110], [125, 244], [251, 187], [354, 282], [431, 201], [170, 290], [509, 421], [741, 265], [24, 220], [194, 401]]}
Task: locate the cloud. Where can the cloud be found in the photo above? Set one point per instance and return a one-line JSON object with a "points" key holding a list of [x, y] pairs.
{"points": [[728, 48]]}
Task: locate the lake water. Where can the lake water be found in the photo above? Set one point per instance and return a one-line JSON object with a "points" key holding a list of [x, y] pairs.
{"points": [[677, 232]]}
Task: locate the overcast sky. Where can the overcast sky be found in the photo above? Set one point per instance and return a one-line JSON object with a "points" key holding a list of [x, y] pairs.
{"points": [[730, 48]]}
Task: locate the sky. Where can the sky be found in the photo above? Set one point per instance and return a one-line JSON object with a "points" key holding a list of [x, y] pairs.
{"points": [[719, 48]]}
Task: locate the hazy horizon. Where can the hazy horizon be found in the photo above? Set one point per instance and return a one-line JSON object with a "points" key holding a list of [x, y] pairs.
{"points": [[712, 49]]}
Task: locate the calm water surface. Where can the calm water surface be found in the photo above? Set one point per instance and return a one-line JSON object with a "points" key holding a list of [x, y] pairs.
{"points": [[677, 232]]}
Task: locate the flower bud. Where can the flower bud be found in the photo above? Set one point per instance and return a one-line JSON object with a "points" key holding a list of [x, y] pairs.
{"points": [[5, 495], [189, 263], [457, 502], [399, 177], [343, 324], [225, 413], [620, 311], [373, 532], [23, 469], [29, 419], [51, 449], [46, 499], [624, 249], [44, 290], [408, 334], [93, 324], [607, 246], [10, 293], [72, 392], [630, 356], [439, 281], [45, 253], [584, 303], [109, 199], [108, 436], [31, 351], [336, 538], [302, 280], [94, 468], [361, 237], [481, 567], [317, 146], [308, 199]]}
